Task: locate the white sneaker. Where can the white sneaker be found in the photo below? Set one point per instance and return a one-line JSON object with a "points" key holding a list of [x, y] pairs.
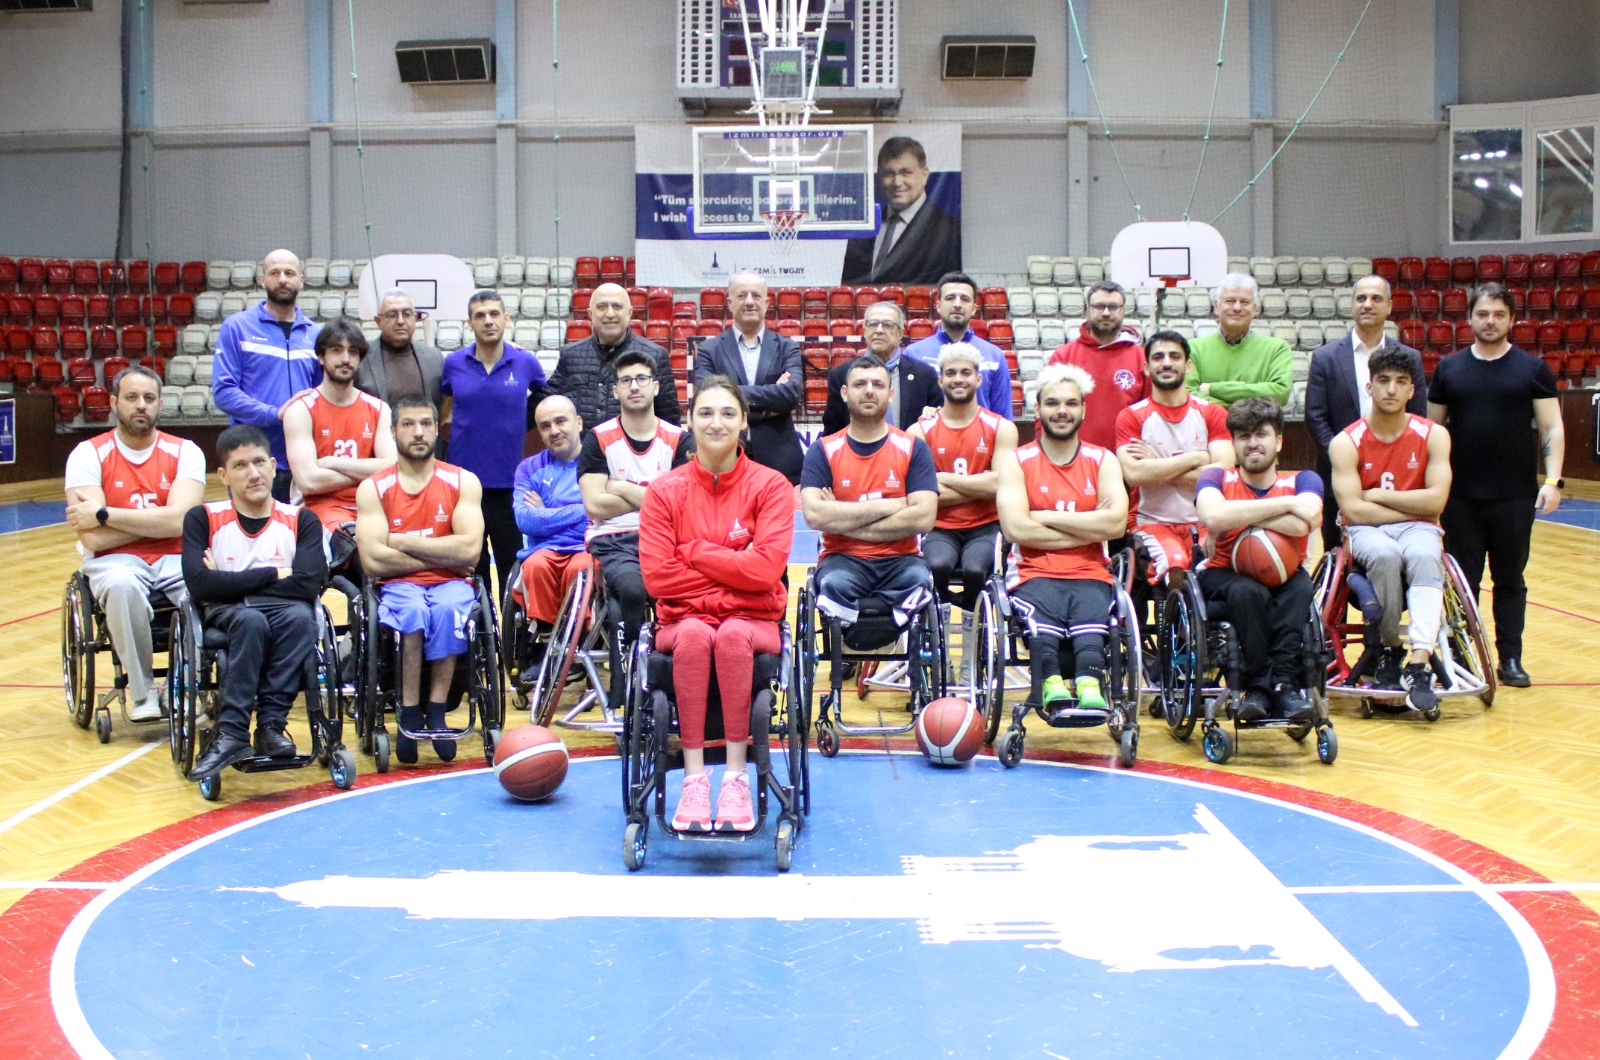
{"points": [[146, 709]]}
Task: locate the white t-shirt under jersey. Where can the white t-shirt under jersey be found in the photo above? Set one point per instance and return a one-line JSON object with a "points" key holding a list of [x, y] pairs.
{"points": [[83, 466]]}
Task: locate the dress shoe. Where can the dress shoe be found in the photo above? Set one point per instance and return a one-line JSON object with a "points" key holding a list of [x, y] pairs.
{"points": [[1253, 706], [1292, 703], [223, 752], [274, 743], [1512, 674]]}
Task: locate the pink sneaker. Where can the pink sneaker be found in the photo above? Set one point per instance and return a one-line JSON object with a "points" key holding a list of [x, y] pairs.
{"points": [[734, 811], [694, 804]]}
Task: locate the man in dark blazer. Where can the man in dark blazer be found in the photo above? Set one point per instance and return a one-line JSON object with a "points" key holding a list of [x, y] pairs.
{"points": [[769, 371], [918, 241], [916, 385], [1336, 389], [400, 365]]}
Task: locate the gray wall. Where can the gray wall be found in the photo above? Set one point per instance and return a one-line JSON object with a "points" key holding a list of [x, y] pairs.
{"points": [[233, 152]]}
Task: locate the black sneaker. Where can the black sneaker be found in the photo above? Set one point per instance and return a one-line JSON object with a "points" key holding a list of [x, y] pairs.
{"points": [[1388, 672], [1293, 703], [274, 743], [1512, 674], [1253, 706], [1419, 687], [223, 752]]}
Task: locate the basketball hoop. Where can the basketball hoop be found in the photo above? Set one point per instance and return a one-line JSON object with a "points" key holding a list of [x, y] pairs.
{"points": [[783, 227]]}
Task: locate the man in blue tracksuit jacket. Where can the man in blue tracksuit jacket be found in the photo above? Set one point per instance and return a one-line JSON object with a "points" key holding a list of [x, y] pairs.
{"points": [[957, 302], [264, 357], [549, 509]]}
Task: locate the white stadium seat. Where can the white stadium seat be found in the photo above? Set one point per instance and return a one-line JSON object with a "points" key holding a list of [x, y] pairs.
{"points": [[1334, 330], [180, 369], [548, 359], [448, 335], [533, 299], [208, 306], [1197, 301], [1025, 333], [1344, 304], [1308, 336], [510, 301], [536, 272], [1019, 301], [359, 270], [1207, 326], [1071, 327], [1391, 330], [1041, 269], [1360, 267], [213, 333], [1335, 272], [1046, 301], [1052, 333], [1091, 270], [341, 273], [1288, 270], [1323, 303], [243, 275], [1274, 303], [1265, 273], [219, 274], [233, 302], [513, 269], [485, 272], [1239, 265], [331, 305], [1184, 328], [1030, 363], [316, 272], [255, 297], [1311, 272], [171, 403], [1070, 301], [1299, 300], [551, 332], [561, 271], [305, 301], [1261, 326], [195, 399], [1297, 402], [202, 370], [526, 334], [558, 303], [1287, 331], [1064, 272], [212, 409], [1174, 303], [1142, 301], [373, 333]]}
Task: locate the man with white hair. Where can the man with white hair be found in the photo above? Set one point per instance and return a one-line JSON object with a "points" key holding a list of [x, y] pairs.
{"points": [[401, 365], [1060, 499], [1236, 363]]}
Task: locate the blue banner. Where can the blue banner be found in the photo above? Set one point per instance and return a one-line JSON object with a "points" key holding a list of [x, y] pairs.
{"points": [[8, 431]]}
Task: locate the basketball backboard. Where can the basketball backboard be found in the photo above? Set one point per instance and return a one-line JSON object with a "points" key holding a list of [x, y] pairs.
{"points": [[439, 284], [744, 172], [1169, 254]]}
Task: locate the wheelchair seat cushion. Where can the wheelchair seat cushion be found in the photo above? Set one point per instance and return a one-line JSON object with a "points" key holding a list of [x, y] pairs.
{"points": [[872, 631], [766, 669]]}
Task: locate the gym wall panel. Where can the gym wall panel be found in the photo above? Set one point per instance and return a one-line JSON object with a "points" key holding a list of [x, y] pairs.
{"points": [[59, 202], [380, 25], [999, 227], [61, 71], [231, 65], [595, 171], [1155, 59], [1162, 170], [433, 195], [1358, 196], [927, 96], [230, 200], [1386, 75], [1533, 49], [618, 61]]}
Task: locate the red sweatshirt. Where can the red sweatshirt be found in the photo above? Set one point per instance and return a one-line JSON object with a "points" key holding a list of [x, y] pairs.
{"points": [[1119, 380], [716, 546]]}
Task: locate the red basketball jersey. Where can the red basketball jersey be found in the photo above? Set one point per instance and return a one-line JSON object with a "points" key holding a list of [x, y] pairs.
{"points": [[963, 451], [1234, 488], [877, 477], [129, 485], [1070, 487], [344, 431], [1398, 465], [425, 514]]}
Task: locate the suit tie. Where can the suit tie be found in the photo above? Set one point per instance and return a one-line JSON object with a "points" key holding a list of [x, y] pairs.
{"points": [[890, 227]]}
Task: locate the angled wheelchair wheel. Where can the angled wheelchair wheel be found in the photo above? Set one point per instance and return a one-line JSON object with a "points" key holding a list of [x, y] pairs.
{"points": [[989, 664], [635, 841], [1182, 646], [372, 697], [487, 692], [566, 637], [1125, 666], [1464, 628], [77, 650], [183, 691], [926, 662]]}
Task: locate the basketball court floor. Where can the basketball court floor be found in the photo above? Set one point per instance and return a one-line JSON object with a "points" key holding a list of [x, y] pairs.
{"points": [[1433, 893]]}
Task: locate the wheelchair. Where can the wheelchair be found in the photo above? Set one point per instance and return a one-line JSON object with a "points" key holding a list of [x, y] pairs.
{"points": [[651, 750], [83, 637], [1200, 683], [873, 638], [999, 633], [1461, 661], [198, 660], [579, 636], [377, 667]]}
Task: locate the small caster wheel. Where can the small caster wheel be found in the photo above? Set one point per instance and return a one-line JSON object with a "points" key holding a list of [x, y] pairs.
{"points": [[1327, 745], [1218, 744], [1114, 725], [1129, 751], [634, 839], [1155, 707], [380, 751], [491, 739], [1366, 707], [1431, 714], [211, 787], [1298, 733], [1009, 749], [342, 769], [784, 844], [102, 727], [519, 699], [827, 740]]}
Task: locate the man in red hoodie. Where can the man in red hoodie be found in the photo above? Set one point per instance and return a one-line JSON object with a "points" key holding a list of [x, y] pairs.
{"points": [[1114, 359]]}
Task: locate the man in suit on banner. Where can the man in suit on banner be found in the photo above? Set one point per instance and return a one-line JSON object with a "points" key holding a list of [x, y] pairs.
{"points": [[918, 241]]}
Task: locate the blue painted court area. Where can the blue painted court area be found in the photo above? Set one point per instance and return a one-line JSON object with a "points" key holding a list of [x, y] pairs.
{"points": [[1047, 910], [26, 515], [1576, 513]]}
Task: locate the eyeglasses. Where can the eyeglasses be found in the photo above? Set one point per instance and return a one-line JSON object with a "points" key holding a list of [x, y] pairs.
{"points": [[631, 382], [400, 314], [880, 325], [1102, 307]]}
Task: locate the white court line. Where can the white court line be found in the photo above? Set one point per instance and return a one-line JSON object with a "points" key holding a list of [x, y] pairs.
{"points": [[51, 885], [72, 789]]}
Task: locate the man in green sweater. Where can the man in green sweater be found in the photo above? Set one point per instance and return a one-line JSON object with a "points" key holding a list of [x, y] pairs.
{"points": [[1236, 363]]}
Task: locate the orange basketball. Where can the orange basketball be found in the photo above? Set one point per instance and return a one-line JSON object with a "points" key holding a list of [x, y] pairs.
{"points": [[949, 731], [1265, 555], [530, 763]]}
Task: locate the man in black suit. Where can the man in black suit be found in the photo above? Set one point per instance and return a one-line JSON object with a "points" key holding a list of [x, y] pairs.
{"points": [[914, 387], [1336, 392], [918, 241], [769, 370]]}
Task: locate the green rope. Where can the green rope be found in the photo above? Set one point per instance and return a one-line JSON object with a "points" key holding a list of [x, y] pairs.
{"points": [[1211, 113], [555, 108], [1303, 115], [1083, 57], [361, 148]]}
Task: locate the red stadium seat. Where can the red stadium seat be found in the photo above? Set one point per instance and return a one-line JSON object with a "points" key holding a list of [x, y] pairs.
{"points": [[814, 328], [74, 309], [639, 299], [1464, 336], [1427, 303], [678, 357], [113, 276], [843, 328], [1518, 269], [1575, 333], [7, 373], [1589, 268], [46, 341], [814, 302], [919, 301], [1430, 361], [1569, 301], [112, 365], [1411, 272], [135, 339], [1577, 364], [658, 300], [993, 304], [686, 311], [19, 309], [1569, 268], [192, 276], [708, 328], [180, 307], [164, 337], [138, 273], [96, 404], [1491, 268], [586, 272], [658, 332], [5, 309], [46, 308], [893, 293], [789, 329], [1441, 334], [153, 308], [8, 273], [85, 276], [920, 329], [80, 372], [103, 340], [1436, 271], [124, 308], [99, 308], [74, 341], [1414, 333], [1525, 333], [1016, 396], [867, 297], [22, 373], [714, 303], [580, 300], [841, 302], [1543, 269], [630, 273], [165, 276], [637, 327], [1453, 304], [48, 372], [613, 269], [30, 274], [682, 329], [1541, 301], [58, 275], [788, 301], [579, 329], [817, 358], [1551, 334], [1590, 305], [68, 405], [1464, 271], [19, 340], [979, 326], [1000, 333], [1402, 304]]}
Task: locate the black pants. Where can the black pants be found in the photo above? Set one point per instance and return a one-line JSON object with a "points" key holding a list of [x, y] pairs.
{"points": [[1270, 623], [969, 553], [268, 647], [1502, 531], [618, 556], [501, 534], [1332, 533]]}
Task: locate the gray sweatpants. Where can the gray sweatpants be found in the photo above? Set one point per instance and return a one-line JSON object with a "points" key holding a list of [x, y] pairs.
{"points": [[1405, 563], [122, 585]]}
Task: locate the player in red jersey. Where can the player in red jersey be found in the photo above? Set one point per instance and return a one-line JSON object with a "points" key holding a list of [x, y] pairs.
{"points": [[1270, 623], [965, 440], [336, 436], [127, 492], [1391, 475], [419, 531], [1060, 500]]}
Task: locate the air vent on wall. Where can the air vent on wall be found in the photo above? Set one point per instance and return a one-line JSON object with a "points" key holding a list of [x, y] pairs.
{"points": [[46, 5], [988, 58], [452, 62]]}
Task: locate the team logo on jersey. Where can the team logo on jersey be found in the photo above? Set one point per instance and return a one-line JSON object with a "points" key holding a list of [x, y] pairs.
{"points": [[396, 522], [889, 481], [165, 484], [845, 484], [366, 431], [440, 514], [1411, 463], [1124, 379], [118, 483], [737, 531], [983, 446], [511, 379], [325, 432]]}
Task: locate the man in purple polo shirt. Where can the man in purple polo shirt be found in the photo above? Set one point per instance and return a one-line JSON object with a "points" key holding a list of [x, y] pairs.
{"points": [[489, 390]]}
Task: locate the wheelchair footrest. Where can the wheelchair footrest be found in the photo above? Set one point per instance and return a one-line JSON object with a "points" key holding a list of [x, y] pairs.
{"points": [[263, 764], [1076, 718]]}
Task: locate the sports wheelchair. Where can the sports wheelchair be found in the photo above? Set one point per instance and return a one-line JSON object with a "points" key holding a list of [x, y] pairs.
{"points": [[582, 634], [84, 636], [377, 653], [1200, 683], [1461, 661], [873, 638], [998, 635], [651, 750], [198, 660]]}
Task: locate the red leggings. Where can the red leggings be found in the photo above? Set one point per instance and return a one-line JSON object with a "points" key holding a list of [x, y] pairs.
{"points": [[735, 642]]}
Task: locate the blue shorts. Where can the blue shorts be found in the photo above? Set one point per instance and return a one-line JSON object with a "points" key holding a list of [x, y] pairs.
{"points": [[438, 612]]}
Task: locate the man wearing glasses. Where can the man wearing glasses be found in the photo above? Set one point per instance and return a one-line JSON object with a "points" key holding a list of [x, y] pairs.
{"points": [[402, 365], [1114, 358], [914, 387]]}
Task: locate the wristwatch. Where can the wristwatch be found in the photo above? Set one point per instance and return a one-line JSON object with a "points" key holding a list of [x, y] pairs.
{"points": [[102, 515], [1558, 483]]}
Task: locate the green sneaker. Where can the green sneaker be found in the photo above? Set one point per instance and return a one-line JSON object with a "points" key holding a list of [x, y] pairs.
{"points": [[1056, 689], [1089, 694]]}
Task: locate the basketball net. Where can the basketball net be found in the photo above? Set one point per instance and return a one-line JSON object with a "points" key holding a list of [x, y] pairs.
{"points": [[783, 228]]}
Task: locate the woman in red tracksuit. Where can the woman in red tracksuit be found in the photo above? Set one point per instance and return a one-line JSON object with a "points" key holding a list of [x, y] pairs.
{"points": [[714, 537]]}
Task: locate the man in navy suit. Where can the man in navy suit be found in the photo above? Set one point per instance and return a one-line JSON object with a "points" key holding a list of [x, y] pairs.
{"points": [[1336, 392], [913, 386], [918, 241], [769, 371]]}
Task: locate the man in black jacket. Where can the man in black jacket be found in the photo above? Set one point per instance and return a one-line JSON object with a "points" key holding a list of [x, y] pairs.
{"points": [[918, 241], [769, 370], [914, 385], [255, 567], [587, 372]]}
